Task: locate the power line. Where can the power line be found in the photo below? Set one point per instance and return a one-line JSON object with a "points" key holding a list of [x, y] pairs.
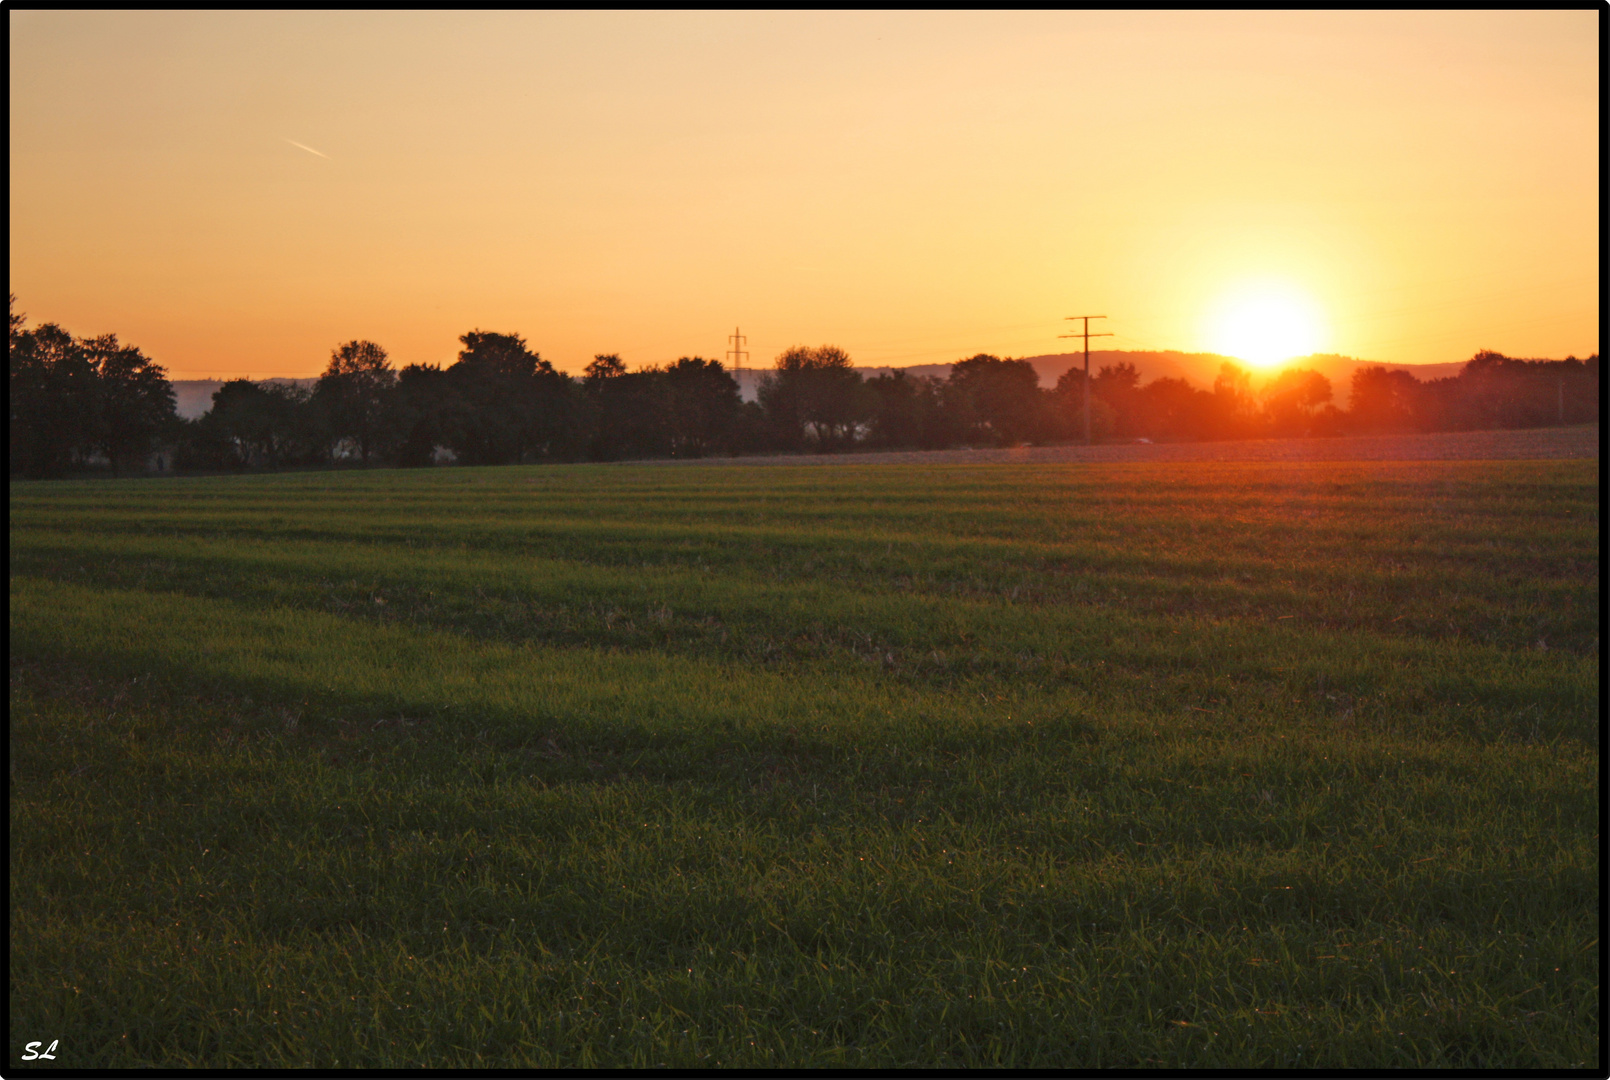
{"points": [[1087, 335]]}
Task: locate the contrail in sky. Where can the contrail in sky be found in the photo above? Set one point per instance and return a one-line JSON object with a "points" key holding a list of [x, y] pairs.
{"points": [[309, 149]]}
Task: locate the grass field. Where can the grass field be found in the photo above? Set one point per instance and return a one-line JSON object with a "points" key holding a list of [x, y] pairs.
{"points": [[1195, 765]]}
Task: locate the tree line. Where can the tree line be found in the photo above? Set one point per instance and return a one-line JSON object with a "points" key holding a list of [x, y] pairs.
{"points": [[88, 403]]}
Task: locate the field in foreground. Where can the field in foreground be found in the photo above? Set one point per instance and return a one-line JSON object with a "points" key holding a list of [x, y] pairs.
{"points": [[1149, 765]]}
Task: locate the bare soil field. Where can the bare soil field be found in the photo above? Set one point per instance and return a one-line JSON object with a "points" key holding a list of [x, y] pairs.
{"points": [[1537, 443]]}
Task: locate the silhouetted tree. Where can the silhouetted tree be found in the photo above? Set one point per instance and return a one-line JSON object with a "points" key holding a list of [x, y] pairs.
{"points": [[75, 398], [908, 411], [999, 400], [1068, 404], [753, 431], [55, 399], [1119, 386], [1233, 411], [1293, 399], [254, 425], [1383, 400], [701, 400], [354, 395], [423, 404], [511, 404], [1497, 391], [1581, 389], [627, 415], [1172, 408], [605, 366], [134, 402], [814, 394]]}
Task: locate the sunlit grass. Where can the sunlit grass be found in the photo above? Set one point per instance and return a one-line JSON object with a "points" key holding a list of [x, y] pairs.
{"points": [[1195, 766]]}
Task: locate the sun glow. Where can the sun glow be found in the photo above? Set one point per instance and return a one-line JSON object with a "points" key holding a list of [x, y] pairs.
{"points": [[1266, 325]]}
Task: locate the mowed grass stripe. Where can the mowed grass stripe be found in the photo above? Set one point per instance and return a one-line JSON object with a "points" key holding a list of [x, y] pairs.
{"points": [[1239, 669], [296, 656], [1056, 504], [1171, 546], [410, 582]]}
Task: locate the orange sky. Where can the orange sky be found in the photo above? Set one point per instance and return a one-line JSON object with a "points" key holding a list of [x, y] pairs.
{"points": [[914, 187]]}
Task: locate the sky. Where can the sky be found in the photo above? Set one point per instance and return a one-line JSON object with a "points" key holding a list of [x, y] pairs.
{"points": [[237, 193]]}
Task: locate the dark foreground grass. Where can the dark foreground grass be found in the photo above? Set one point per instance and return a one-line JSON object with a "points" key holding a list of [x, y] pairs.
{"points": [[1184, 765]]}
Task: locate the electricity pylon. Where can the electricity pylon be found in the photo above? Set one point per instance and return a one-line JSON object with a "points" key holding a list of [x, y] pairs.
{"points": [[1087, 335], [736, 357]]}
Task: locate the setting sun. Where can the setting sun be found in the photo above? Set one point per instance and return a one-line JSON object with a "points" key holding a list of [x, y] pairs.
{"points": [[1265, 325]]}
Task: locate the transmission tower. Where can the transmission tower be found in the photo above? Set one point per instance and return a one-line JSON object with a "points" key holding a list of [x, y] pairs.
{"points": [[737, 355], [1087, 335]]}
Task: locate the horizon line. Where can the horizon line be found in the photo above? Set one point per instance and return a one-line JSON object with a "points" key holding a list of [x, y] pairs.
{"points": [[174, 377]]}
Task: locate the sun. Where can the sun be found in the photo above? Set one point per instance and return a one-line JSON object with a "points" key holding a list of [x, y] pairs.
{"points": [[1265, 325]]}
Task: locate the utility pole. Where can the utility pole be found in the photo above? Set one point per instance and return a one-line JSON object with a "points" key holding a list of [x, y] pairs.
{"points": [[736, 355], [1087, 335]]}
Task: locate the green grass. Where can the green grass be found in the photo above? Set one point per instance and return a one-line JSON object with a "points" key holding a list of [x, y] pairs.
{"points": [[1187, 765]]}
